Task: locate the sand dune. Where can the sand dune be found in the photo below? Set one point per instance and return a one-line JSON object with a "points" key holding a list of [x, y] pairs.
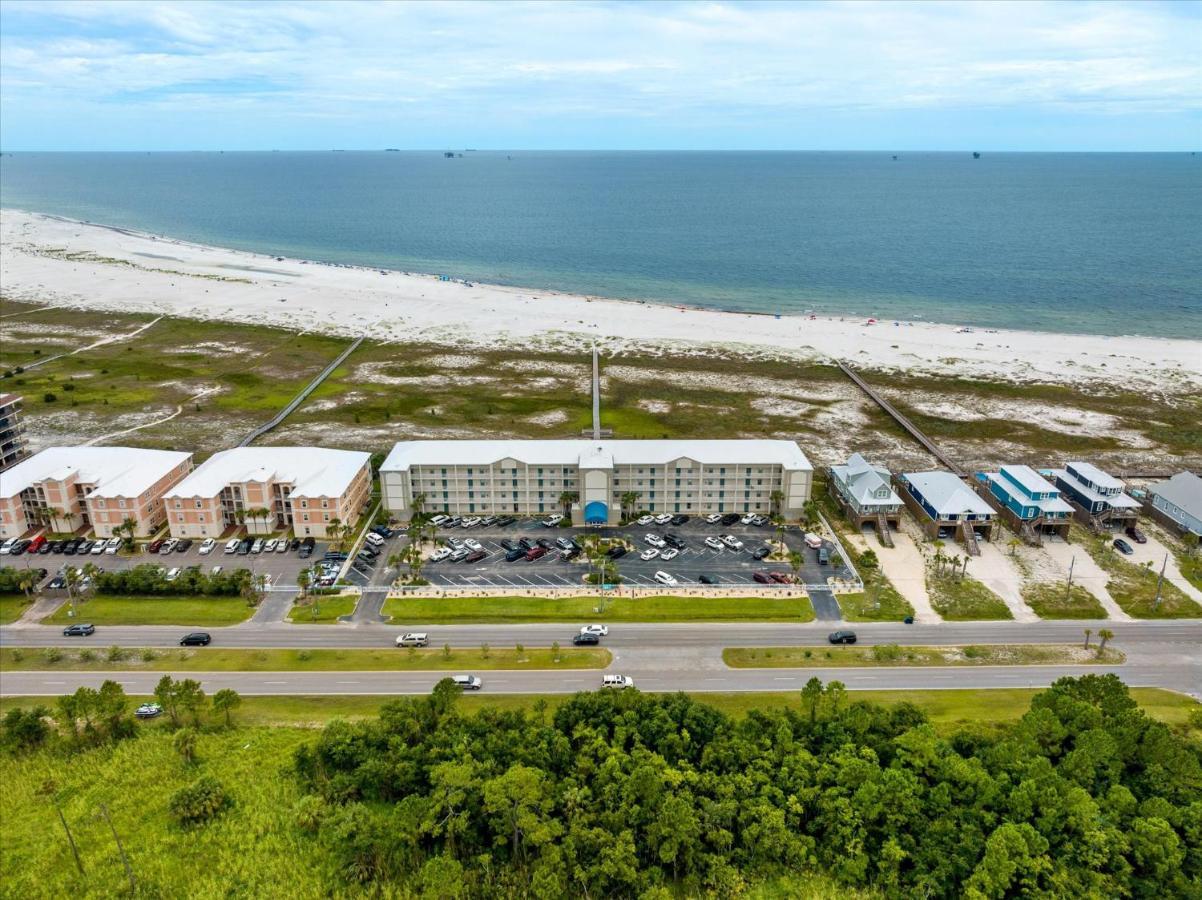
{"points": [[52, 260]]}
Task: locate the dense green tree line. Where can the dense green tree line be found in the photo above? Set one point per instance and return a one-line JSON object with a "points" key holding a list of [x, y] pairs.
{"points": [[151, 580], [622, 794]]}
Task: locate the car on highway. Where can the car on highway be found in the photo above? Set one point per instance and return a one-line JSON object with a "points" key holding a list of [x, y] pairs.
{"points": [[467, 682], [664, 578], [761, 552], [599, 630], [649, 554], [714, 544], [670, 553], [196, 639], [148, 711], [617, 682], [713, 518], [82, 629], [842, 637], [1136, 535], [413, 639], [1123, 547], [731, 541], [206, 546], [586, 639]]}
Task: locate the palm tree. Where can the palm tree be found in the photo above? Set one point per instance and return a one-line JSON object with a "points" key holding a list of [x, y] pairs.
{"points": [[303, 580], [796, 561], [1105, 634], [1088, 632], [776, 498], [26, 583], [127, 527], [566, 499], [628, 500], [334, 532], [240, 516], [418, 505]]}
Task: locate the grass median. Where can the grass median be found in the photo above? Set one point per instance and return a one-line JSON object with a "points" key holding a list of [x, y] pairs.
{"points": [[103, 610], [12, 607], [895, 655], [118, 659], [1053, 601], [322, 610], [965, 599], [499, 610]]}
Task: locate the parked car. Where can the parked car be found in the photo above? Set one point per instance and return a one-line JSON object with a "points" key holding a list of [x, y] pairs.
{"points": [[813, 541], [714, 544], [231, 546], [781, 577], [707, 579], [244, 546], [515, 554], [731, 541], [294, 544], [673, 540], [525, 543], [679, 519], [761, 552], [467, 682], [148, 711], [535, 553], [665, 578], [760, 521], [1123, 547], [206, 546], [470, 522], [545, 544], [173, 574], [663, 519], [196, 639], [645, 520], [552, 521], [45, 548], [761, 577], [713, 518], [475, 556], [439, 519], [7, 547], [600, 630], [1136, 535], [281, 546], [374, 539], [568, 555], [413, 639], [269, 545], [617, 681], [616, 552], [649, 554], [57, 546], [36, 544], [565, 544], [459, 554], [729, 518], [113, 546], [653, 540], [747, 519], [507, 544], [583, 639], [79, 630], [184, 546], [257, 546], [99, 546], [824, 556], [505, 521], [670, 553], [472, 544], [842, 637], [440, 554], [306, 550]]}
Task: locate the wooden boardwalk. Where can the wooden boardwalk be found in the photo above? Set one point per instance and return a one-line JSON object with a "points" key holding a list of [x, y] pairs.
{"points": [[930, 446]]}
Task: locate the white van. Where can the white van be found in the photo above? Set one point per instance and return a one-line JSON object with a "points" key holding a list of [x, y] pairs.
{"points": [[374, 539], [617, 681], [231, 546]]}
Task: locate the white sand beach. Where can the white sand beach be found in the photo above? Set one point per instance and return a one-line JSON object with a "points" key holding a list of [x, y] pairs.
{"points": [[46, 259]]}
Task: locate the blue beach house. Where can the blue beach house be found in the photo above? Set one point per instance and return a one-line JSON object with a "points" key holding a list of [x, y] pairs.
{"points": [[944, 505], [1028, 501], [1097, 496]]}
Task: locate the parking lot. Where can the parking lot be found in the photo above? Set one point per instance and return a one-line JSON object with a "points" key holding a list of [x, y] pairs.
{"points": [[725, 567], [280, 568]]}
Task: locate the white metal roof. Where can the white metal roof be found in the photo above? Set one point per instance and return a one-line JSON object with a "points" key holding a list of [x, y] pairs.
{"points": [[1115, 501], [573, 452], [1183, 490], [115, 471], [948, 494], [1095, 475], [1045, 504], [1028, 478], [312, 471]]}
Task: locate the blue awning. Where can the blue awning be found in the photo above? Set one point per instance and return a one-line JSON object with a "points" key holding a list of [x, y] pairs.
{"points": [[596, 513]]}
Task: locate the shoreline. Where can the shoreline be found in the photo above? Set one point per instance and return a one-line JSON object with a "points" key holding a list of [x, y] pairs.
{"points": [[59, 261]]}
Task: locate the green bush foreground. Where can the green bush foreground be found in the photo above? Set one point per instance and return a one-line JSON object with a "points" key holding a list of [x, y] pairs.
{"points": [[615, 795]]}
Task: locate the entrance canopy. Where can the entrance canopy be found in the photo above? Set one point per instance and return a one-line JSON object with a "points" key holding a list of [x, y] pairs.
{"points": [[596, 513]]}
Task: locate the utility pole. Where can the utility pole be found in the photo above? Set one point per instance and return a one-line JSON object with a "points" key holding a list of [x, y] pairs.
{"points": [[1068, 596], [1160, 582], [70, 838], [133, 884]]}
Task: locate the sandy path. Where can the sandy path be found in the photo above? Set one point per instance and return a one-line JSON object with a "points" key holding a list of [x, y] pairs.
{"points": [[111, 339], [1001, 574], [179, 409], [1086, 573], [212, 283], [904, 566], [1155, 552]]}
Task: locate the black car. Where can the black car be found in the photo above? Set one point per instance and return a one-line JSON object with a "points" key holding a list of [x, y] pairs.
{"points": [[305, 551], [545, 543], [294, 544], [515, 554], [679, 519], [331, 556], [82, 630], [707, 579], [525, 543], [505, 521], [508, 544], [761, 553], [196, 639], [730, 518], [842, 637], [83, 547], [673, 540], [617, 552], [1136, 535], [1122, 547], [309, 542], [44, 549], [57, 546], [581, 640], [244, 547], [184, 546]]}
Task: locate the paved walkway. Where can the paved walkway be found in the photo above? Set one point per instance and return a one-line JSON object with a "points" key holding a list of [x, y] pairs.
{"points": [[826, 607], [274, 607]]}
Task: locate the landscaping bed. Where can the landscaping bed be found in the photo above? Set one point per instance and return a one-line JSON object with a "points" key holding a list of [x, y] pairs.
{"points": [[897, 655]]}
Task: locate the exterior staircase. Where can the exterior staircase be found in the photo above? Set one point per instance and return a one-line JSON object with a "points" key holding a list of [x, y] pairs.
{"points": [[970, 538], [882, 530], [1030, 534]]}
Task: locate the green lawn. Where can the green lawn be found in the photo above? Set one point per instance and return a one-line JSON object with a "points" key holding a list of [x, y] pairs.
{"points": [[316, 660], [1051, 601], [12, 606], [881, 602], [964, 599], [1134, 587], [443, 610], [105, 610], [894, 655], [316, 610]]}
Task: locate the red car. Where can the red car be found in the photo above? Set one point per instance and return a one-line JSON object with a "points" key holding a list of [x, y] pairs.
{"points": [[782, 577], [762, 577], [535, 553], [36, 544], [153, 546]]}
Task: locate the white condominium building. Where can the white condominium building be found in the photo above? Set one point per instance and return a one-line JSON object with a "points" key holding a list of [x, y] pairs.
{"points": [[271, 488], [596, 480]]}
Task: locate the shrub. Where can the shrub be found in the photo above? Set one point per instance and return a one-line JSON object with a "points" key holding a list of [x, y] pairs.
{"points": [[69, 386], [973, 652], [49, 397], [304, 656], [886, 652], [52, 654], [148, 655], [198, 802], [86, 655], [115, 654], [18, 654]]}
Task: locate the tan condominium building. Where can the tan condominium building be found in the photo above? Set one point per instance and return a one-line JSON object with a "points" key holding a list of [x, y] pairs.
{"points": [[12, 432], [596, 480], [67, 489], [269, 489]]}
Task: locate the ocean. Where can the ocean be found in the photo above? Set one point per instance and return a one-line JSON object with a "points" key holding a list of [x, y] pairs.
{"points": [[1090, 243]]}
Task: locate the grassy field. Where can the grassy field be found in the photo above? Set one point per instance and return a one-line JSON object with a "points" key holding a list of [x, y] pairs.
{"points": [[444, 610], [1134, 587], [105, 610], [895, 655], [322, 610], [964, 599], [880, 603], [12, 606], [1051, 601], [116, 659]]}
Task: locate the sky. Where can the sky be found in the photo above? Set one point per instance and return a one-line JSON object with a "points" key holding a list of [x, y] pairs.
{"points": [[99, 75]]}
